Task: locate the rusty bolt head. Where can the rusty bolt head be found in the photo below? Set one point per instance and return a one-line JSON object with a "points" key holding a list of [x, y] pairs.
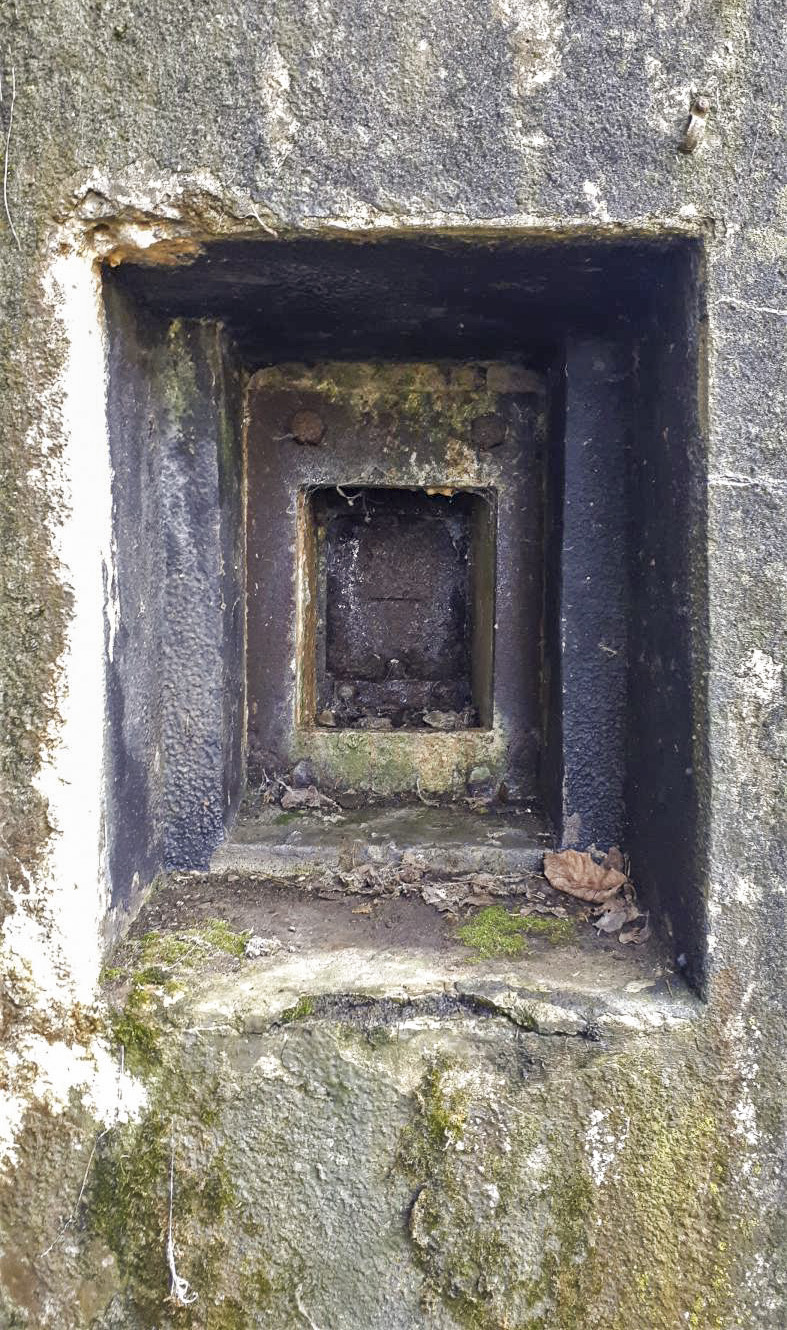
{"points": [[488, 431], [307, 427]]}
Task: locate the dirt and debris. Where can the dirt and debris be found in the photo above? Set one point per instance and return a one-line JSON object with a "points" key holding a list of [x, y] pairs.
{"points": [[481, 784], [450, 720], [449, 893], [303, 774], [394, 715], [598, 882], [637, 929], [298, 790], [266, 921]]}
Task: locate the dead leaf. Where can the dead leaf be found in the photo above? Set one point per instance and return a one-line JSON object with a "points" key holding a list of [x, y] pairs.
{"points": [[578, 874], [614, 859], [637, 930], [308, 798], [617, 911]]}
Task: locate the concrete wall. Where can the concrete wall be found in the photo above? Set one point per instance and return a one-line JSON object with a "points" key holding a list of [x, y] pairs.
{"points": [[175, 695], [142, 130]]}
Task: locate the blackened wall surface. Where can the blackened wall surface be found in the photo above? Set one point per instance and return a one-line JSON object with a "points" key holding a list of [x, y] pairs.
{"points": [[134, 645], [594, 594], [176, 691], [667, 701]]}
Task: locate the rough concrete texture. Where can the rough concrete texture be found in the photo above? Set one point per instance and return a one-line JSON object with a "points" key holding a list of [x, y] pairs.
{"points": [[392, 425], [270, 843], [139, 127], [378, 1135], [175, 671]]}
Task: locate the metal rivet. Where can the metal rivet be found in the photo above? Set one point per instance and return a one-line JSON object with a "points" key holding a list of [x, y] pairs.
{"points": [[307, 427], [488, 431]]}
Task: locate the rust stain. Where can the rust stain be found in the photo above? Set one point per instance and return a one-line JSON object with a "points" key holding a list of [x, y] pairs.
{"points": [[161, 254]]}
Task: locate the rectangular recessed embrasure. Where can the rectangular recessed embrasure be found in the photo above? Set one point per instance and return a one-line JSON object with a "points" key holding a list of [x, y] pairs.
{"points": [[403, 579]]}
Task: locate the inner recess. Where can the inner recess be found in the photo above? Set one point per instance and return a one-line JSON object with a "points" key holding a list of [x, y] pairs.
{"points": [[405, 582], [563, 373]]}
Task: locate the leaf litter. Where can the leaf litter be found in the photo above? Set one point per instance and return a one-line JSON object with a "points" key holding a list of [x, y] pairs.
{"points": [[604, 883], [599, 880]]}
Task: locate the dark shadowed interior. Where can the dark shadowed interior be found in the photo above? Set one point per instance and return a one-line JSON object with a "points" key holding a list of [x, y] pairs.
{"points": [[395, 599]]}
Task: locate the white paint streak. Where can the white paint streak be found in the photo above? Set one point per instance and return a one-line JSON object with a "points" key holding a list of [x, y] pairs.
{"points": [[775, 310], [737, 480], [51, 1073], [746, 892], [72, 779], [51, 954], [281, 125], [761, 677], [602, 1145], [597, 205]]}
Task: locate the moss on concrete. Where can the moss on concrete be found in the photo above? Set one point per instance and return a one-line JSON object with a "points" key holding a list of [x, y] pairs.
{"points": [[496, 931], [441, 1112], [636, 1177], [303, 1008], [150, 958], [135, 1031]]}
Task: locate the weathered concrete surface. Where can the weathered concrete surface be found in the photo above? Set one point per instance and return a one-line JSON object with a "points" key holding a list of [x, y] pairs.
{"points": [[379, 1136], [137, 124], [395, 425], [175, 642], [275, 844]]}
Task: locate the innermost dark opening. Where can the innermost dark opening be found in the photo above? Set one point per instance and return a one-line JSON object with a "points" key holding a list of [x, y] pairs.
{"points": [[395, 608]]}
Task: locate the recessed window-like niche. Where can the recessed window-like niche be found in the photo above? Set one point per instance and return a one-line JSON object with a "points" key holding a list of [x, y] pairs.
{"points": [[400, 634], [403, 510], [395, 543]]}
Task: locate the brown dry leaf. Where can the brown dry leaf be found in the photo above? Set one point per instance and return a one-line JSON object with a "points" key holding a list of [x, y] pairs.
{"points": [[615, 914], [308, 798], [556, 911], [614, 859], [578, 874], [637, 930]]}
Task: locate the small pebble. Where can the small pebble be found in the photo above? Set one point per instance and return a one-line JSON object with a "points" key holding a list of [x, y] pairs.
{"points": [[257, 947], [303, 775], [480, 783], [374, 723]]}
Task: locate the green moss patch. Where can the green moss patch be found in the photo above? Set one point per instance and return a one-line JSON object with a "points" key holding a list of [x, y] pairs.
{"points": [[305, 1006], [439, 1123], [496, 931], [135, 1031], [187, 947]]}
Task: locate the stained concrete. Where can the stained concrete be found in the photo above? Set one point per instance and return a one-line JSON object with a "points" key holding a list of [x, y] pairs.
{"points": [[400, 426], [276, 843], [175, 749], [140, 131]]}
